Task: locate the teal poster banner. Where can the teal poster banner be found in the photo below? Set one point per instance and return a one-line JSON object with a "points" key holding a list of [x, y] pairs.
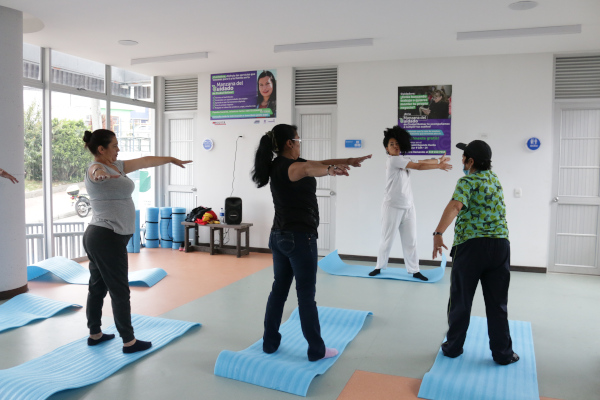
{"points": [[426, 113], [243, 95]]}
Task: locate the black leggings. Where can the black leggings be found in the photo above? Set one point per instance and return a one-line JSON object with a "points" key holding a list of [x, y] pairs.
{"points": [[108, 266]]}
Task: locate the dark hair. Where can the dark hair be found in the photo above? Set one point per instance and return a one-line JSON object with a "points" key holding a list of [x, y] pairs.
{"points": [[100, 137], [442, 94], [264, 153], [402, 137], [479, 165], [273, 96]]}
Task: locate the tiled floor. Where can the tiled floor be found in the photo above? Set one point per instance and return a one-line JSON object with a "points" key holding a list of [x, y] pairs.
{"points": [[386, 360]]}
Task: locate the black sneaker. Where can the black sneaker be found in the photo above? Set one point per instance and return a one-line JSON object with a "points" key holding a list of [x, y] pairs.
{"points": [[448, 354], [513, 359]]}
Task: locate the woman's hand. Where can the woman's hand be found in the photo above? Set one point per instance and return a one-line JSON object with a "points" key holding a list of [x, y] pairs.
{"points": [[444, 158], [445, 166], [8, 176], [180, 163], [438, 243], [339, 169], [356, 161], [102, 175]]}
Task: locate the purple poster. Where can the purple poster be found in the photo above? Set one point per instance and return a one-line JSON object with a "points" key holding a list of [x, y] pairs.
{"points": [[243, 95], [426, 113]]}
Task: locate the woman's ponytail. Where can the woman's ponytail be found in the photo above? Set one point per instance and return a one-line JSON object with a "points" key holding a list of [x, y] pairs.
{"points": [[263, 160], [271, 142]]}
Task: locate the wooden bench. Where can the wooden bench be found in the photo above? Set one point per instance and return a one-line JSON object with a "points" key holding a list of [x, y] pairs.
{"points": [[210, 247]]}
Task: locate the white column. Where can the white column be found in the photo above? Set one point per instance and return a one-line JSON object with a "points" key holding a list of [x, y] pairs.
{"points": [[13, 261]]}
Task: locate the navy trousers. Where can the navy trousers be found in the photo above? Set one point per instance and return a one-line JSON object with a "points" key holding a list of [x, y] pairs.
{"points": [[294, 256], [486, 260]]}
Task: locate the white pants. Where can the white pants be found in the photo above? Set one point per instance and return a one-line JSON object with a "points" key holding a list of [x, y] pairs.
{"points": [[405, 221]]}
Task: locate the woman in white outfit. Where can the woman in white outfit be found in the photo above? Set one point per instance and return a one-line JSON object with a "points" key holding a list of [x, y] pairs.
{"points": [[398, 210]]}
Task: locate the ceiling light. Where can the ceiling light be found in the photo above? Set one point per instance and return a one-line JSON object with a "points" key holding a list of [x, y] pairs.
{"points": [[523, 5], [335, 44], [511, 33], [128, 42], [170, 58], [31, 24]]}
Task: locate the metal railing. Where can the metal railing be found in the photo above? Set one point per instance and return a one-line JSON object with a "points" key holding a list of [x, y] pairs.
{"points": [[67, 240]]}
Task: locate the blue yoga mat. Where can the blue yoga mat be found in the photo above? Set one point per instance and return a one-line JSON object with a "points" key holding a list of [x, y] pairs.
{"points": [[474, 375], [178, 229], [25, 308], [166, 227], [288, 369], [333, 264], [76, 364], [72, 272], [134, 243], [152, 227]]}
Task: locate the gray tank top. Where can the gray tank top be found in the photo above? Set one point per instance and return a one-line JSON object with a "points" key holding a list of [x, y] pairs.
{"points": [[112, 205]]}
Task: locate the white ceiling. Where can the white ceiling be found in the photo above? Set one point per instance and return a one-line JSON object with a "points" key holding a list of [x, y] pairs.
{"points": [[240, 34]]}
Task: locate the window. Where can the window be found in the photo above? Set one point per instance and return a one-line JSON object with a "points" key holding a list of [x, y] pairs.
{"points": [[32, 58], [77, 72], [131, 85]]}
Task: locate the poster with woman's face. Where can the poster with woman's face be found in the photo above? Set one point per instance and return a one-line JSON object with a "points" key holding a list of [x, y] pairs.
{"points": [[426, 113], [244, 95]]}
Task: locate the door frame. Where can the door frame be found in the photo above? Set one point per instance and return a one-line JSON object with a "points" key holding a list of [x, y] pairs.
{"points": [[332, 111], [166, 187], [559, 107]]}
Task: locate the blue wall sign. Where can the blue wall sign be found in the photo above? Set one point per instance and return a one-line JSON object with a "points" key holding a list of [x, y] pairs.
{"points": [[533, 143], [207, 144], [355, 144]]}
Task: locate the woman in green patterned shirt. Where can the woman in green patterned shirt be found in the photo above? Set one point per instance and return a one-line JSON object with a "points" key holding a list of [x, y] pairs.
{"points": [[480, 252]]}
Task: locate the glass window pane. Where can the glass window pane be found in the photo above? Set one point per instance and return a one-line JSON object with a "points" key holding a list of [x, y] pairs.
{"points": [[77, 72], [134, 127], [131, 85], [71, 116], [34, 193], [32, 58]]}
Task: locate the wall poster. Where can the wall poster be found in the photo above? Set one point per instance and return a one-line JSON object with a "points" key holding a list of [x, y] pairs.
{"points": [[243, 95], [426, 113]]}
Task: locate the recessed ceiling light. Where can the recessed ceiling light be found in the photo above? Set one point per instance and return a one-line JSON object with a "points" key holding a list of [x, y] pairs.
{"points": [[170, 58], [334, 44], [128, 42], [31, 24], [521, 32], [523, 5]]}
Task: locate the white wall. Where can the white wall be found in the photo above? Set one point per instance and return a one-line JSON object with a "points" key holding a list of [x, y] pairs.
{"points": [[214, 169], [503, 100]]}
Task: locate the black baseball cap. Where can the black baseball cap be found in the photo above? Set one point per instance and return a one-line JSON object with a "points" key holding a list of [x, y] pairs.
{"points": [[477, 149]]}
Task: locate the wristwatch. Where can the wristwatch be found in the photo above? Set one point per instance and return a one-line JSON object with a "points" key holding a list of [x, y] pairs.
{"points": [[437, 233]]}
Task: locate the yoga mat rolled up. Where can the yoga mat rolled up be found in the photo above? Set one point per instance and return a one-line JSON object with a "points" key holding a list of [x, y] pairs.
{"points": [[166, 227], [178, 229], [134, 243], [152, 227]]}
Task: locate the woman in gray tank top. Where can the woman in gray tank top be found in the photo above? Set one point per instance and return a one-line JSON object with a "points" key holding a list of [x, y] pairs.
{"points": [[106, 237]]}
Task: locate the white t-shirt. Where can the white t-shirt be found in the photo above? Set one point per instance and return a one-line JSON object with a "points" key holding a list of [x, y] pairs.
{"points": [[398, 192]]}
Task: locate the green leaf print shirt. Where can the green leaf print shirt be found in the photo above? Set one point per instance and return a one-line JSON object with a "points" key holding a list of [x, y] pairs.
{"points": [[483, 213]]}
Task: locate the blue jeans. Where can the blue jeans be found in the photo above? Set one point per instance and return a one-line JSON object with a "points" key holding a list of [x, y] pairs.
{"points": [[294, 256]]}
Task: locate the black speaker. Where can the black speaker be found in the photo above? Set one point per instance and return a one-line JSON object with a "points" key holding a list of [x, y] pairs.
{"points": [[233, 211]]}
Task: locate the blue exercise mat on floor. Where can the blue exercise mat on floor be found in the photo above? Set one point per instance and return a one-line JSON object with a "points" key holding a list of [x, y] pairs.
{"points": [[474, 375], [333, 264], [288, 369], [25, 308], [76, 364], [73, 272]]}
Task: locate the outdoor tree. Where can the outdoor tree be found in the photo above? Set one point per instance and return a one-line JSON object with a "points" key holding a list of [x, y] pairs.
{"points": [[69, 157]]}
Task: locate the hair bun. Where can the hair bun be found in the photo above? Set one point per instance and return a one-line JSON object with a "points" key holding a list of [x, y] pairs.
{"points": [[87, 136]]}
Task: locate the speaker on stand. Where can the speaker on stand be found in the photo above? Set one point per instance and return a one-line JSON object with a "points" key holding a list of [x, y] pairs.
{"points": [[233, 210]]}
